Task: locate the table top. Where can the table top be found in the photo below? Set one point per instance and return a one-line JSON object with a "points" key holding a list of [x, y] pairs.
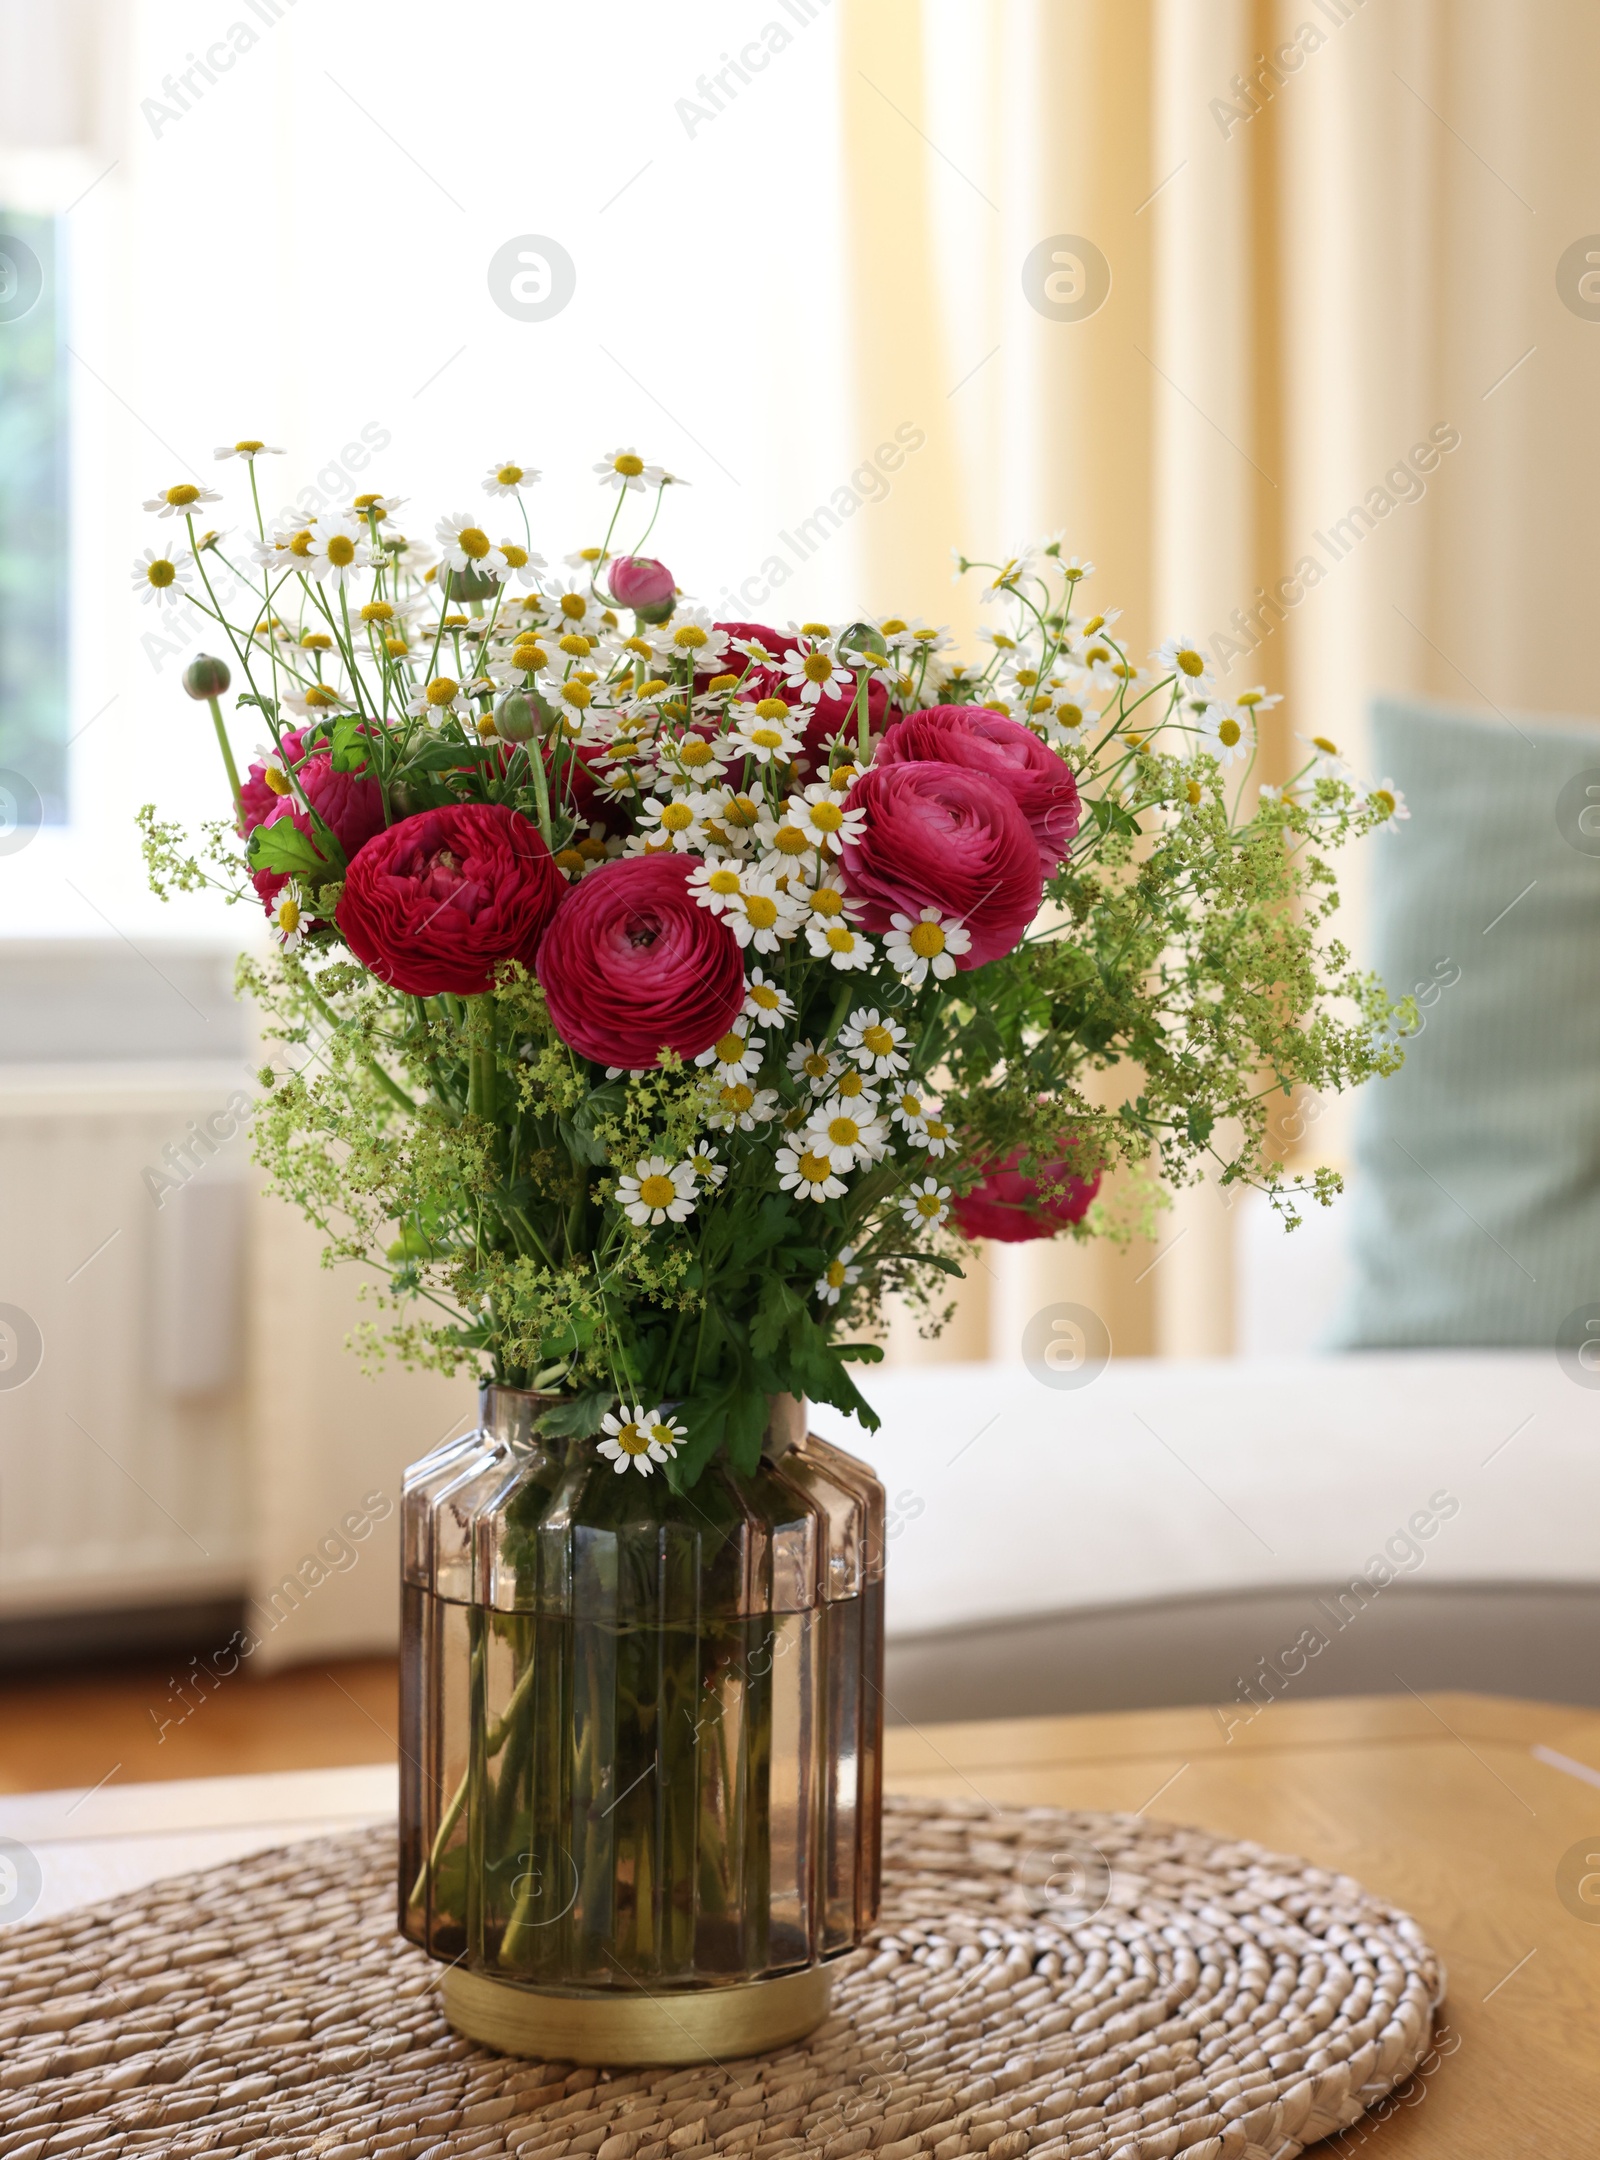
{"points": [[1477, 1815]]}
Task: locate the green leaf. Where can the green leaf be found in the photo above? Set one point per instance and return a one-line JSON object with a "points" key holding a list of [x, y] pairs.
{"points": [[349, 744], [578, 1418], [746, 1429], [1199, 1122], [282, 846]]}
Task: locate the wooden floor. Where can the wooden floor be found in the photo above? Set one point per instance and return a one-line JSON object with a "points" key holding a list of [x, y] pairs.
{"points": [[136, 1723]]}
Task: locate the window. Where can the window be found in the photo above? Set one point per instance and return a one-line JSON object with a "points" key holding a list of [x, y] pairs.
{"points": [[33, 521]]}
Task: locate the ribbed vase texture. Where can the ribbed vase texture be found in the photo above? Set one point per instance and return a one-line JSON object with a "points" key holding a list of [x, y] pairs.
{"points": [[641, 1733]]}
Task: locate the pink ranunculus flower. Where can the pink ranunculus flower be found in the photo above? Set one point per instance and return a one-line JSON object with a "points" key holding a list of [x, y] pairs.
{"points": [[1013, 1207], [947, 837], [632, 965], [437, 901], [640, 582], [349, 804], [972, 735]]}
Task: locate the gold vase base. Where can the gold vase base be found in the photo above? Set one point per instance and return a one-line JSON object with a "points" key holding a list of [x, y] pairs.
{"points": [[633, 2030]]}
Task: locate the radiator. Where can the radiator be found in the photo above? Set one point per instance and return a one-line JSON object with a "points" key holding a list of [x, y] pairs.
{"points": [[125, 1200]]}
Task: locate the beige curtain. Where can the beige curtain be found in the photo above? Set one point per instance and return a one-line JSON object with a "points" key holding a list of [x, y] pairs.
{"points": [[1337, 409]]}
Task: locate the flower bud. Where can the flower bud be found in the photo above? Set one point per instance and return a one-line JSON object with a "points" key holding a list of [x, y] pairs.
{"points": [[643, 584], [517, 717], [467, 585], [864, 641], [206, 676]]}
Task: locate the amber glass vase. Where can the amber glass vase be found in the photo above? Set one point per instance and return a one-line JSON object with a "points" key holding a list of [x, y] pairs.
{"points": [[641, 1738]]}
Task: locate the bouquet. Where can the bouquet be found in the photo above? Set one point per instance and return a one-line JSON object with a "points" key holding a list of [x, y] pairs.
{"points": [[653, 996]]}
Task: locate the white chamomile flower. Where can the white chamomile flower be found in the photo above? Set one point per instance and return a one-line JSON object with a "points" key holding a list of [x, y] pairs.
{"points": [[735, 1055], [735, 1106], [929, 946], [707, 1164], [765, 1003], [464, 545], [432, 700], [508, 478], [814, 670], [1226, 733], [718, 885], [763, 913], [838, 1276], [626, 469], [657, 1192], [672, 824], [1186, 658], [692, 757], [589, 558], [285, 541], [847, 1133], [1067, 726], [249, 450], [819, 812], [851, 1087], [847, 949], [693, 637], [911, 1110], [180, 500], [808, 1172], [765, 731], [1329, 763], [288, 917], [338, 551], [157, 577], [938, 1138], [874, 1042], [925, 1205], [815, 1065], [316, 701], [639, 1437], [1388, 798]]}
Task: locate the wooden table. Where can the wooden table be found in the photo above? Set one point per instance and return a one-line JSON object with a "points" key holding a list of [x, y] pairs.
{"points": [[1459, 1808], [1442, 1806]]}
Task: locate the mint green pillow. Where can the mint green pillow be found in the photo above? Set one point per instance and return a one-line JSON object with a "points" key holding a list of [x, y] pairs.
{"points": [[1475, 1203]]}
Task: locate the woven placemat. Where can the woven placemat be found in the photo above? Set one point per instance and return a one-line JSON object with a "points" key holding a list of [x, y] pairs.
{"points": [[1044, 1983]]}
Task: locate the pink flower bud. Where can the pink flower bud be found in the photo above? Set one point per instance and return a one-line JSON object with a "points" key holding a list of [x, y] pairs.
{"points": [[643, 584]]}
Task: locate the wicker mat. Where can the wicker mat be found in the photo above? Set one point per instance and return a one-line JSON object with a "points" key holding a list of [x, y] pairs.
{"points": [[1043, 1983]]}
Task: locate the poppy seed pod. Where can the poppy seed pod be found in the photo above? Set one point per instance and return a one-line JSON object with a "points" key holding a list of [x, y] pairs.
{"points": [[206, 676]]}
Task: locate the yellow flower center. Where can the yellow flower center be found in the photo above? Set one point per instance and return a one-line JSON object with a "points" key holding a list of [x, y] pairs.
{"points": [[927, 1205], [509, 475], [1384, 801], [182, 495], [472, 542], [576, 644], [1070, 715], [316, 641], [723, 682], [765, 996], [938, 1129], [288, 915], [629, 465], [377, 611], [840, 939], [851, 1084], [926, 940], [1228, 733], [730, 1047], [664, 1436], [817, 667], [723, 881], [341, 552], [767, 738], [836, 1274], [577, 693], [395, 647], [1191, 662], [657, 1191], [738, 1097], [815, 1169], [892, 626], [161, 573], [248, 448], [695, 751], [1193, 793], [814, 629], [772, 708], [743, 811], [877, 1039], [911, 1105], [364, 503], [790, 840], [276, 780], [1039, 704], [761, 911], [826, 816], [574, 606], [826, 900], [516, 556], [569, 859], [300, 544], [592, 849], [1321, 742], [486, 724], [527, 657], [633, 1439], [689, 637], [317, 695], [677, 817], [843, 1131], [441, 690]]}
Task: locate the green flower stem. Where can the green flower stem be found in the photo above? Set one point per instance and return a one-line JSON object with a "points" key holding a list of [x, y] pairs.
{"points": [[325, 1011], [226, 748]]}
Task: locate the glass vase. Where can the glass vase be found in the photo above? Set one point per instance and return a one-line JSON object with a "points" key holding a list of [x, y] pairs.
{"points": [[641, 1738]]}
